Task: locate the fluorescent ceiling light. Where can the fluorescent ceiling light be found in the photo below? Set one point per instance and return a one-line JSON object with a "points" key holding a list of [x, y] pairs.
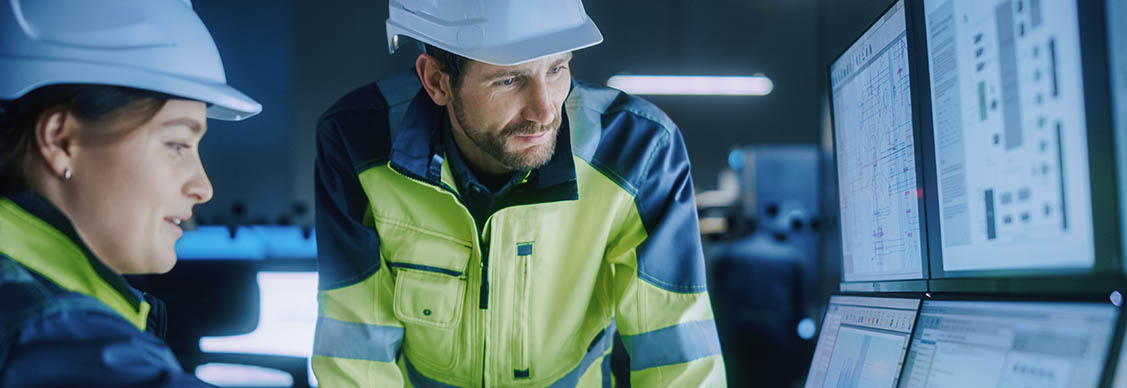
{"points": [[693, 85]]}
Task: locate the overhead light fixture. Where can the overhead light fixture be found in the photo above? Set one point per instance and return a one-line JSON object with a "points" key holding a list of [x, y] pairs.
{"points": [[693, 85]]}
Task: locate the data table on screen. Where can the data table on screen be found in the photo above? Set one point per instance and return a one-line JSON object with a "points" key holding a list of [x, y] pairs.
{"points": [[1010, 135]]}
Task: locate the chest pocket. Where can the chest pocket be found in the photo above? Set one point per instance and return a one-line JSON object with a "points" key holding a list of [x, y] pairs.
{"points": [[430, 293], [429, 299]]}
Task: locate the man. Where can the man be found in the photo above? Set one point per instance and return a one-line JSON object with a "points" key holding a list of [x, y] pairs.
{"points": [[486, 221]]}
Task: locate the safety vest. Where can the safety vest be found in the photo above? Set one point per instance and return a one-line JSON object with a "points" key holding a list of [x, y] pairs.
{"points": [[65, 318], [602, 239]]}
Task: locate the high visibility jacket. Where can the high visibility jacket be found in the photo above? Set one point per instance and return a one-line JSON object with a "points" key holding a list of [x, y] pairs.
{"points": [[601, 239], [67, 320]]}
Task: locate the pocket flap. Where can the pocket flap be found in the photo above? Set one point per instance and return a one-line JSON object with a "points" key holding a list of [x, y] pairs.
{"points": [[410, 247], [428, 298]]}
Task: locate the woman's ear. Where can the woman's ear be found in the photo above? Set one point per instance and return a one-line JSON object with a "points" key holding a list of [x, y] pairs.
{"points": [[434, 80], [55, 140]]}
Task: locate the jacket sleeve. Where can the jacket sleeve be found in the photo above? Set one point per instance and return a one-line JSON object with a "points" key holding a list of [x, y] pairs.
{"points": [[358, 336], [663, 310], [87, 349]]}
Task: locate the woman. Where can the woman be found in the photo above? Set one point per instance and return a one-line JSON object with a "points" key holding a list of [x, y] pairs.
{"points": [[102, 107]]}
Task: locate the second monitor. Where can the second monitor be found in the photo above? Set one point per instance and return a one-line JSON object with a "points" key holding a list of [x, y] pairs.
{"points": [[1011, 139], [1009, 344]]}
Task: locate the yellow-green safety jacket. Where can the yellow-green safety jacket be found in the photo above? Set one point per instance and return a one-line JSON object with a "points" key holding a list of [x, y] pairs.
{"points": [[601, 239], [67, 320]]}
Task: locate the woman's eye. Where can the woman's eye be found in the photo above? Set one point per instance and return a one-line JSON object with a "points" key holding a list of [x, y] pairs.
{"points": [[178, 147], [557, 69]]}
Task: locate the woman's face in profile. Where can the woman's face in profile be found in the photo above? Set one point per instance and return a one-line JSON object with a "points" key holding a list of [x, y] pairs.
{"points": [[129, 195]]}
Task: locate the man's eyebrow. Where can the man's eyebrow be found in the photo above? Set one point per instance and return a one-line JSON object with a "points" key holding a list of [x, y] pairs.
{"points": [[194, 125], [520, 72], [506, 74]]}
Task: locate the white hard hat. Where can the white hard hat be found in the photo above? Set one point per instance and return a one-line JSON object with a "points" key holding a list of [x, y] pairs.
{"points": [[498, 32], [156, 45]]}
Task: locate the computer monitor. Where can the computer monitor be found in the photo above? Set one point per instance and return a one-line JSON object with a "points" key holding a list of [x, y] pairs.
{"points": [[1011, 139], [862, 342], [1117, 59], [875, 155], [1009, 344]]}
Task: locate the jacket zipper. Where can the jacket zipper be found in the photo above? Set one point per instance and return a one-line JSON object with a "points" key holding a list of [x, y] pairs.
{"points": [[482, 250], [483, 299], [484, 304]]}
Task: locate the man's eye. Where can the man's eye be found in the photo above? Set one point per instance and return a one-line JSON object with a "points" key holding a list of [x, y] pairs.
{"points": [[508, 81], [557, 69]]}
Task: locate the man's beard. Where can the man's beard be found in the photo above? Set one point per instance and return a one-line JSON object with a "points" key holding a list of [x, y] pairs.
{"points": [[494, 146]]}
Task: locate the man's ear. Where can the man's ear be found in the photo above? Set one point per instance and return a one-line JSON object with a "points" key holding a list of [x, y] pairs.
{"points": [[55, 140], [434, 80]]}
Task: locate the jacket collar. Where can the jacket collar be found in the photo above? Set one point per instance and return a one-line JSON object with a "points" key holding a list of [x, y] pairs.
{"points": [[34, 233], [418, 149]]}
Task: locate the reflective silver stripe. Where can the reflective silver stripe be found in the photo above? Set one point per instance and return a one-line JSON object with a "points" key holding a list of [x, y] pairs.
{"points": [[354, 340], [672, 345], [597, 350]]}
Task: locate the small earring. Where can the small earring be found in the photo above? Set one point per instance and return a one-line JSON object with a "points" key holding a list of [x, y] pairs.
{"points": [[66, 175]]}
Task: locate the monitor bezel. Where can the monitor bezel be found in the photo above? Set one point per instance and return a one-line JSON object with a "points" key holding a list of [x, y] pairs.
{"points": [[913, 284], [1108, 267], [885, 286]]}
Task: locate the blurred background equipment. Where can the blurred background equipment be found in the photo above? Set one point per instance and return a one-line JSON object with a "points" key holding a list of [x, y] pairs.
{"points": [[242, 309], [762, 267]]}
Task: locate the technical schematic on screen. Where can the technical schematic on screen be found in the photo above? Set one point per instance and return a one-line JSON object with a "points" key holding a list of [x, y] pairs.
{"points": [[876, 158]]}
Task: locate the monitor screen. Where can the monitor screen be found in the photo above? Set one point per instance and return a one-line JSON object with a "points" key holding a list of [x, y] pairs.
{"points": [[876, 156], [1011, 154], [862, 342], [1009, 344], [1117, 55]]}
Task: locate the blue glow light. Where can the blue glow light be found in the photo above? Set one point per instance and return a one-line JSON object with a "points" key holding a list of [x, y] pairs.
{"points": [[806, 328]]}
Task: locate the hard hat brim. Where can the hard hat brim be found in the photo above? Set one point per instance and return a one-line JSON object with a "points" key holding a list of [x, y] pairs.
{"points": [[224, 102], [582, 36]]}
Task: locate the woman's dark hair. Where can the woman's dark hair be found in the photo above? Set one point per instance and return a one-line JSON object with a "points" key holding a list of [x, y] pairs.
{"points": [[105, 108]]}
